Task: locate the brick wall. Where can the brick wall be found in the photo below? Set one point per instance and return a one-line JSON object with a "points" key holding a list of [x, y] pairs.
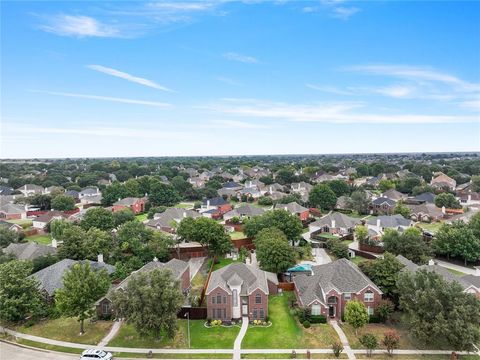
{"points": [[252, 305], [223, 305]]}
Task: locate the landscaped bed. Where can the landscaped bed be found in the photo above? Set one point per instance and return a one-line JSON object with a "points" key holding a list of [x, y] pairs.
{"points": [[285, 331], [68, 329]]}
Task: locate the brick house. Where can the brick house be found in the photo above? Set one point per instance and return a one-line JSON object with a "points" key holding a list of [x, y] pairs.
{"points": [[137, 205], [295, 209], [332, 285], [440, 180], [216, 203], [382, 205], [180, 270], [13, 211], [239, 290]]}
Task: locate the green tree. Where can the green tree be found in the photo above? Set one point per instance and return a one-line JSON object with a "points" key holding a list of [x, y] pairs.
{"points": [[439, 312], [273, 250], [359, 202], [99, 218], [476, 183], [113, 193], [57, 228], [370, 342], [162, 194], [97, 242], [339, 187], [337, 248], [323, 197], [401, 209], [63, 203], [42, 201], [82, 286], [19, 294], [383, 272], [160, 245], [448, 200], [150, 303], [409, 244], [458, 240], [385, 185], [361, 234], [385, 309], [281, 219], [73, 246], [356, 314], [7, 237], [122, 216]]}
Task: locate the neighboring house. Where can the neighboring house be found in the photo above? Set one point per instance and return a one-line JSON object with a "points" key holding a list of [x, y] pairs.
{"points": [[301, 188], [246, 211], [425, 212], [239, 290], [43, 220], [104, 182], [295, 209], [5, 190], [74, 194], [272, 188], [92, 200], [276, 195], [227, 192], [216, 203], [29, 250], [180, 271], [254, 183], [394, 195], [51, 278], [465, 189], [167, 220], [424, 198], [443, 181], [232, 185], [137, 205], [31, 189], [469, 283], [332, 285], [250, 192], [335, 223], [50, 189], [382, 205], [88, 192], [376, 227], [12, 227], [324, 178], [196, 182], [470, 199], [343, 203], [13, 211]]}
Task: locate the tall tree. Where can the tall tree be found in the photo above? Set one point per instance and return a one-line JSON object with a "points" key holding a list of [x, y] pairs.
{"points": [[409, 244], [63, 203], [323, 197], [19, 294], [150, 303], [359, 201], [383, 272], [122, 216], [98, 217], [82, 286], [274, 253], [162, 194], [448, 200], [7, 237], [339, 187], [356, 314]]}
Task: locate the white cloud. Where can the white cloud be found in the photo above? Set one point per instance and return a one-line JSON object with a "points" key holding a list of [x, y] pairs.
{"points": [[228, 80], [471, 104], [181, 6], [233, 56], [234, 124], [79, 26], [329, 89], [107, 98], [344, 13], [396, 91], [128, 77], [328, 113]]}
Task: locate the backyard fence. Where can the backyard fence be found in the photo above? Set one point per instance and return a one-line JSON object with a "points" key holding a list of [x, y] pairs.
{"points": [[286, 286], [195, 313]]}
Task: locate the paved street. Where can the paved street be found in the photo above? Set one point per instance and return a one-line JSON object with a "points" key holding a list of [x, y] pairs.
{"points": [[11, 352]]}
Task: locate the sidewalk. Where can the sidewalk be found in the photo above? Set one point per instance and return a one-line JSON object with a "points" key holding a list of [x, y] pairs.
{"points": [[111, 334], [343, 340], [238, 341]]}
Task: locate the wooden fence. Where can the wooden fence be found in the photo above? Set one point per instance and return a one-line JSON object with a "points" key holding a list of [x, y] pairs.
{"points": [[205, 286], [286, 286], [195, 313], [246, 243]]}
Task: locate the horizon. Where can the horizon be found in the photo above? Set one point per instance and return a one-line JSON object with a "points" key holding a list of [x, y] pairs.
{"points": [[226, 79]]}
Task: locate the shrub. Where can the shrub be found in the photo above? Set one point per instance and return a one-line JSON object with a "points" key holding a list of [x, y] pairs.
{"points": [[266, 201], [375, 319], [370, 342], [318, 319], [306, 324], [235, 220], [385, 309], [337, 349], [391, 341]]}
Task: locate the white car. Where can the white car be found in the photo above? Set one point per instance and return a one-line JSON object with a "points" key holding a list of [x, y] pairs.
{"points": [[96, 354]]}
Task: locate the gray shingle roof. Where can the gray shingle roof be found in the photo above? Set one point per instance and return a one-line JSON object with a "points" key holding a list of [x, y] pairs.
{"points": [[249, 276], [292, 207], [341, 221], [393, 221], [129, 201], [29, 251], [394, 194], [341, 275], [427, 197], [245, 210], [51, 277], [12, 209], [383, 200], [216, 201]]}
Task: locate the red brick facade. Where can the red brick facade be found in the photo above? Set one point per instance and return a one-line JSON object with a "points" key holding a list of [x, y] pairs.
{"points": [[216, 310]]}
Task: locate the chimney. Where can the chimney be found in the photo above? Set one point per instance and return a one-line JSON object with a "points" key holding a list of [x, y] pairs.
{"points": [[378, 223], [477, 270], [208, 203], [100, 258], [270, 190], [54, 243], [333, 224], [469, 198], [184, 214], [119, 199], [431, 262], [155, 259], [443, 210]]}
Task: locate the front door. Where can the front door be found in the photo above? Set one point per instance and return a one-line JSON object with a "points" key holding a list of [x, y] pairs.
{"points": [[245, 306], [331, 311]]}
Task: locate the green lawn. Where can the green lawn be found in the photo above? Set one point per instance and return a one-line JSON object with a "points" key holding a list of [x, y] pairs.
{"points": [[285, 331], [432, 227], [141, 217], [237, 235], [221, 263], [184, 205], [358, 259], [25, 223], [44, 239], [200, 337], [68, 329], [456, 272]]}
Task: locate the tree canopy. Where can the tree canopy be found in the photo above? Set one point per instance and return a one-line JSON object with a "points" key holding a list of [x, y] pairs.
{"points": [[323, 197], [274, 253]]}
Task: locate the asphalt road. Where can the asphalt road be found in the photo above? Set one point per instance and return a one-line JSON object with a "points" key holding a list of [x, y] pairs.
{"points": [[12, 352]]}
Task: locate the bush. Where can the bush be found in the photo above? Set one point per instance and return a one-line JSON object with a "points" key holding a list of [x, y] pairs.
{"points": [[375, 319], [370, 342], [337, 348], [306, 324], [318, 319], [337, 248], [265, 201]]}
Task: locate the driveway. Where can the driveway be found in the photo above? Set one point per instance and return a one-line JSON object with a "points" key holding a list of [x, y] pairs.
{"points": [[320, 257], [12, 352]]}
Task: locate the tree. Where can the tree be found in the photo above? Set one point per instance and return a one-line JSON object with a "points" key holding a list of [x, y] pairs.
{"points": [[73, 246], [150, 303], [458, 240], [391, 340], [281, 219], [273, 250], [356, 314], [323, 197], [439, 312], [7, 237], [97, 242], [370, 342], [409, 244], [160, 245], [383, 272], [337, 248], [359, 201], [112, 193], [401, 209], [19, 294], [476, 183], [98, 217], [385, 185], [58, 227], [63, 203], [42, 201], [162, 194], [385, 309], [82, 286], [339, 187], [122, 216], [361, 234], [448, 200]]}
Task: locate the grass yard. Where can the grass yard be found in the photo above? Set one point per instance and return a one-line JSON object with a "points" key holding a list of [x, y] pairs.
{"points": [[285, 331], [25, 223], [44, 239], [200, 337], [237, 235], [431, 227], [141, 217], [68, 329], [358, 259], [221, 263], [456, 272], [184, 205]]}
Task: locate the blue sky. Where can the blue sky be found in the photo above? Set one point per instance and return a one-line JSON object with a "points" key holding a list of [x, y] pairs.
{"points": [[224, 78]]}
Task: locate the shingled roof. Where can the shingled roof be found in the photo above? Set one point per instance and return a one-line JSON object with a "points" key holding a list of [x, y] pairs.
{"points": [[29, 250], [341, 221]]}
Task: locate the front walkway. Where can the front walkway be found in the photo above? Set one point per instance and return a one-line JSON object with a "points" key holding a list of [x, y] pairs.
{"points": [[343, 340], [111, 334], [238, 341]]}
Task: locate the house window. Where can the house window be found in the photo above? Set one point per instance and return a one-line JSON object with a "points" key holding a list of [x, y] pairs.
{"points": [[234, 295], [224, 313], [370, 311], [105, 308], [332, 300], [347, 296], [213, 299], [254, 313], [219, 299], [224, 299], [368, 296], [258, 299], [316, 309], [262, 314]]}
